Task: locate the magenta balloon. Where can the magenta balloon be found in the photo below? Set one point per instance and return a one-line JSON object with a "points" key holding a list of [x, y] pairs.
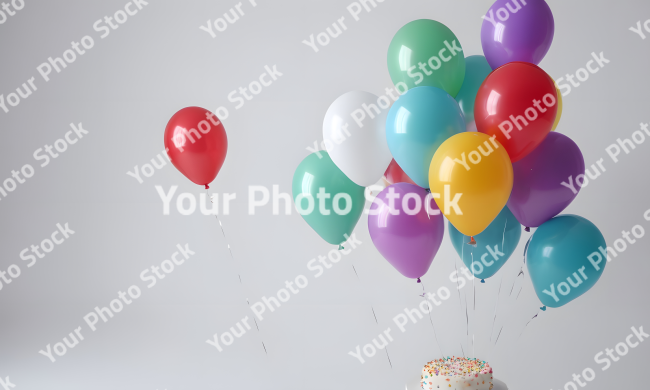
{"points": [[408, 242], [517, 30], [538, 193]]}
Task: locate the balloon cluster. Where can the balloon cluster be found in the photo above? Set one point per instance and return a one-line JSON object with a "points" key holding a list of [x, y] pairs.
{"points": [[475, 135]]}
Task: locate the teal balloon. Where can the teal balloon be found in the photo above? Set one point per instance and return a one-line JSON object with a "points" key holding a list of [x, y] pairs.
{"points": [[494, 245], [565, 259], [476, 70], [417, 124], [316, 172]]}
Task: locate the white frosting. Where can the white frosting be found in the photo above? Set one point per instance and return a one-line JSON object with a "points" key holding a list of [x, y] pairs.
{"points": [[457, 374]]}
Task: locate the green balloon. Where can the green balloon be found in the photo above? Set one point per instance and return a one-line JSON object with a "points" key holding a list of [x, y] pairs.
{"points": [[317, 173], [426, 53]]}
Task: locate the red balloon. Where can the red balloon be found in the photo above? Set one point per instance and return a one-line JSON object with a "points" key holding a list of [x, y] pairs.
{"points": [[394, 174], [196, 143], [517, 103]]}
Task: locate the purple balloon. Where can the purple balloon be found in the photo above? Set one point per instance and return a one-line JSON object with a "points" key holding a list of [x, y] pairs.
{"points": [[517, 30], [538, 193], [404, 231]]}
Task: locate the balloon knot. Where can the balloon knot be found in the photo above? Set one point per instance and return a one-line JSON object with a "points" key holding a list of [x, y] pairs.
{"points": [[543, 308], [482, 280], [419, 281], [207, 187], [472, 241], [527, 229], [341, 247]]}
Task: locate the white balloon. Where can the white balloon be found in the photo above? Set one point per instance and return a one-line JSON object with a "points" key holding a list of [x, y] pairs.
{"points": [[354, 135], [372, 191]]}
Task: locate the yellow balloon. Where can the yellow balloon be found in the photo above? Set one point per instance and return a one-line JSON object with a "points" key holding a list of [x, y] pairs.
{"points": [[559, 110], [470, 178]]}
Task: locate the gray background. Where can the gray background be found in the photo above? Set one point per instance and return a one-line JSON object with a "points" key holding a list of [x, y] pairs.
{"points": [[126, 88]]}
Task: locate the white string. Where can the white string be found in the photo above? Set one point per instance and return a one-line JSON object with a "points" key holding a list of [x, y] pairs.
{"points": [[238, 274]]}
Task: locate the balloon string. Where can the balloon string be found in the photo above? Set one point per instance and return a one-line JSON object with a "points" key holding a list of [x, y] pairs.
{"points": [[435, 335], [521, 273], [496, 306], [541, 309], [460, 301], [374, 315], [521, 270], [474, 313], [525, 326], [238, 274], [499, 335]]}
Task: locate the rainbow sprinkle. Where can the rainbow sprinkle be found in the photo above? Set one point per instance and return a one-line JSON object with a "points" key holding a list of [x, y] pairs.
{"points": [[457, 366]]}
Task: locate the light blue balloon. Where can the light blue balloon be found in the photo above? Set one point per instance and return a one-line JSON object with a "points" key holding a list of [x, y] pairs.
{"points": [[565, 259], [476, 70], [417, 124], [494, 245]]}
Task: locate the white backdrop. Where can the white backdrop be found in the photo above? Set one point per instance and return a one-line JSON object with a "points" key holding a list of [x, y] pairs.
{"points": [[123, 90]]}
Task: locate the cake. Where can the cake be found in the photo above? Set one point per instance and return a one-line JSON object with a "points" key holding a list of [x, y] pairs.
{"points": [[457, 373]]}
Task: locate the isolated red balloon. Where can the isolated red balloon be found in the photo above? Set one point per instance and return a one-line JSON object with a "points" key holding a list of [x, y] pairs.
{"points": [[517, 103], [196, 143], [394, 174]]}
